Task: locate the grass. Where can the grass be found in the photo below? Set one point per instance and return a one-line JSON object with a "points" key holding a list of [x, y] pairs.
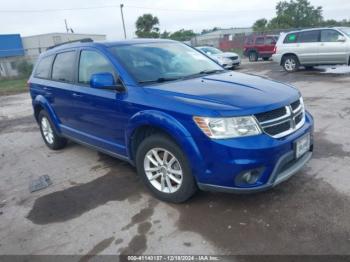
{"points": [[13, 86]]}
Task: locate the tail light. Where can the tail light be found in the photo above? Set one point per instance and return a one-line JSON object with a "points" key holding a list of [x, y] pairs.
{"points": [[275, 50]]}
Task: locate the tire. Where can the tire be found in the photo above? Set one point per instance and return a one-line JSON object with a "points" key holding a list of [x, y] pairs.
{"points": [[266, 58], [182, 187], [253, 56], [48, 132], [290, 63]]}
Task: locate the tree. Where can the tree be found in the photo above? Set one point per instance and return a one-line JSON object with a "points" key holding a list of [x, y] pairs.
{"points": [[146, 26], [260, 25], [24, 68], [182, 35], [165, 34], [292, 14]]}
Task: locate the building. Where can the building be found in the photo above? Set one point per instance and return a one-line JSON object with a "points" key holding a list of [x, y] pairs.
{"points": [[215, 37], [15, 49], [36, 44], [11, 50]]}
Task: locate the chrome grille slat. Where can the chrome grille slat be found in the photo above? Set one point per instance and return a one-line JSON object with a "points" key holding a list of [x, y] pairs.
{"points": [[277, 127]]}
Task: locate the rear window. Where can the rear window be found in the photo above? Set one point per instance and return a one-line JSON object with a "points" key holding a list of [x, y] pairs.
{"points": [[309, 36], [63, 67], [259, 41], [44, 68], [270, 40], [291, 38]]}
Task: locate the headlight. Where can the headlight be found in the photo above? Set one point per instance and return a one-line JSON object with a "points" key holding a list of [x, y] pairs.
{"points": [[228, 127], [223, 60]]}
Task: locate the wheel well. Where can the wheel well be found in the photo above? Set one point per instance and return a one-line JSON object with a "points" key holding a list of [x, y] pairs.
{"points": [[141, 133], [288, 54], [37, 109]]}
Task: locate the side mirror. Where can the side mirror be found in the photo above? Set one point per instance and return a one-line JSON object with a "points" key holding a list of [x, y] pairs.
{"points": [[341, 38], [105, 81]]}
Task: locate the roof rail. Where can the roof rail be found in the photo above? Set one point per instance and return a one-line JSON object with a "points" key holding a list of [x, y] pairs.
{"points": [[83, 40]]}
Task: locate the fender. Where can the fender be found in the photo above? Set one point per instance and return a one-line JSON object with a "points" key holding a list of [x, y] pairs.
{"points": [[173, 128], [44, 103]]}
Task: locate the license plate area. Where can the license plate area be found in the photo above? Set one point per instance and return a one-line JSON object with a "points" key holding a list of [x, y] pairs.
{"points": [[302, 145]]}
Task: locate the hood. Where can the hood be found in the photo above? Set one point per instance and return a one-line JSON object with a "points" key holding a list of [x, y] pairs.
{"points": [[225, 54], [232, 93]]}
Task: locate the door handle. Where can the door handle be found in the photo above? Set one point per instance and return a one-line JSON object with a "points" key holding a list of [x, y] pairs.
{"points": [[76, 95]]}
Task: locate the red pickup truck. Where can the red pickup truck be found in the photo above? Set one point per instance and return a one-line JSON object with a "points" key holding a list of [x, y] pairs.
{"points": [[260, 46]]}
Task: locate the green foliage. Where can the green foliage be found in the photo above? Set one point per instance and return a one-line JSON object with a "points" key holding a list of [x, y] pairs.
{"points": [[260, 25], [24, 68], [146, 26], [292, 14], [12, 86], [182, 35]]}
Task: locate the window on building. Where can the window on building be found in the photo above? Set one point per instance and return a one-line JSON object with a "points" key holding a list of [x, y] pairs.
{"points": [[91, 63], [43, 69], [13, 65], [309, 36], [63, 67], [330, 35]]}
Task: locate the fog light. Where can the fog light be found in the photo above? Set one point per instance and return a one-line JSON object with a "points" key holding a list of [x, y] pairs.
{"points": [[249, 177]]}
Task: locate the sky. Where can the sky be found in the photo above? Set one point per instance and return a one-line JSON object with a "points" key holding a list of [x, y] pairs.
{"points": [[103, 16]]}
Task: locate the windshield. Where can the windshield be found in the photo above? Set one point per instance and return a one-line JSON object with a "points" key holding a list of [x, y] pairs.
{"points": [[211, 50], [346, 30], [158, 62]]}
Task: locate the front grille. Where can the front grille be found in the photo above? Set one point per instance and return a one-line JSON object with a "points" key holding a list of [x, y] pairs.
{"points": [[282, 121], [233, 57], [266, 116]]}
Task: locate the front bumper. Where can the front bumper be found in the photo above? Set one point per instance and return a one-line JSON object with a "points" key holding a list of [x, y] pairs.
{"points": [[225, 160], [232, 64]]}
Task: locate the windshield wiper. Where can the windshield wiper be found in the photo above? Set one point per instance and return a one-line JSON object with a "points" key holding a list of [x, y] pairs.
{"points": [[206, 72], [160, 80]]}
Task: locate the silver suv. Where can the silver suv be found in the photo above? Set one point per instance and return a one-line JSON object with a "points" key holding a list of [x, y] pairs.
{"points": [[312, 47]]}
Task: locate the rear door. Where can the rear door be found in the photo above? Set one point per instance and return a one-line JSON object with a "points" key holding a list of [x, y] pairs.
{"points": [[63, 78], [259, 45], [270, 43], [332, 50], [308, 47]]}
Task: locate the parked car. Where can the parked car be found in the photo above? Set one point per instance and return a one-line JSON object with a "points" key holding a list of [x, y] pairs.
{"points": [[172, 112], [259, 46], [312, 47], [228, 60]]}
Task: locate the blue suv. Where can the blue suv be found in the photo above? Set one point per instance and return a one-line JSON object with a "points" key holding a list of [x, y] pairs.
{"points": [[174, 113]]}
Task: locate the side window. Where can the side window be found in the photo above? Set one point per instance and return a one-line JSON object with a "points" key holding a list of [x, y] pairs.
{"points": [[44, 68], [330, 36], [91, 63], [309, 36], [270, 41], [259, 41], [291, 38], [63, 67]]}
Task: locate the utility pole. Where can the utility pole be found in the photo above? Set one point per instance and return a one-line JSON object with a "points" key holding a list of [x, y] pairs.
{"points": [[121, 11], [65, 22]]}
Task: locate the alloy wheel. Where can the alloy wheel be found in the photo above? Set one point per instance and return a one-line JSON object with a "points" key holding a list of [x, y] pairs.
{"points": [[47, 130], [163, 170]]}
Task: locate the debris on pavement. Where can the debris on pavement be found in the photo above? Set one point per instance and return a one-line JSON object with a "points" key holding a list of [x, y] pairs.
{"points": [[41, 183]]}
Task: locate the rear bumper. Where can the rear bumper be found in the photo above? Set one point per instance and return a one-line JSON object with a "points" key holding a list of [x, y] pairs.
{"points": [[277, 58], [278, 176]]}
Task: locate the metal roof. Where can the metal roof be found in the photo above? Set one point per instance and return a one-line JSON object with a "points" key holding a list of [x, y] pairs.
{"points": [[11, 45]]}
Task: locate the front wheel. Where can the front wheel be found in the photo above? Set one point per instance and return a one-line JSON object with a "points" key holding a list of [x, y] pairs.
{"points": [[164, 169], [290, 64], [253, 57]]}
